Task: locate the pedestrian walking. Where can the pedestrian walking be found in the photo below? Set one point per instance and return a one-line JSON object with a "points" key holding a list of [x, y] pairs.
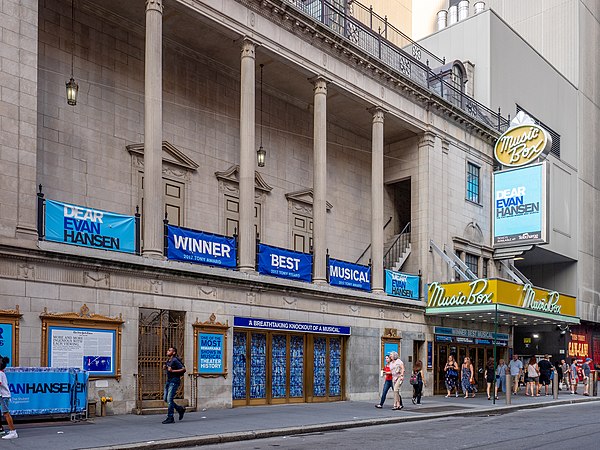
{"points": [[545, 367], [586, 371], [500, 377], [397, 368], [387, 385], [417, 379], [574, 376], [467, 377], [564, 367], [451, 375], [516, 370], [533, 377], [5, 400], [490, 376], [174, 370]]}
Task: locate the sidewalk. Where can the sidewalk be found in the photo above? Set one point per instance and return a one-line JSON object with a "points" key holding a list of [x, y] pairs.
{"points": [[226, 425]]}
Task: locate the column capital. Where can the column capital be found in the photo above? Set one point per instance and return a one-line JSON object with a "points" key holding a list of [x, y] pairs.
{"points": [[378, 114], [427, 139], [154, 5], [320, 84], [248, 48]]}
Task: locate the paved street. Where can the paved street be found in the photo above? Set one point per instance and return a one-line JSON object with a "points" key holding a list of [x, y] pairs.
{"points": [[358, 418], [564, 426]]}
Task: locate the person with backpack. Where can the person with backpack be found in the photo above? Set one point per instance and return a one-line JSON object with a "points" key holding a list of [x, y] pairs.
{"points": [[175, 369], [417, 380]]}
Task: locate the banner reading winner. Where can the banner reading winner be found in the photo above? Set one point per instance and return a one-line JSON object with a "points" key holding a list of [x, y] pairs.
{"points": [[87, 227]]}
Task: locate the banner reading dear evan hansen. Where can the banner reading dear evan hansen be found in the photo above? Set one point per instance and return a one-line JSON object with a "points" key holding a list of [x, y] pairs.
{"points": [[202, 248], [284, 263], [86, 227], [401, 284], [350, 275]]}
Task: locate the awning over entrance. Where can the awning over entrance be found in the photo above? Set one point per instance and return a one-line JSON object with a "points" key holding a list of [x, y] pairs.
{"points": [[515, 304]]}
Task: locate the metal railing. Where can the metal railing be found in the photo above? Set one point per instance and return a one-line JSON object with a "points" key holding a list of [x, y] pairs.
{"points": [[406, 60], [397, 248], [369, 246]]}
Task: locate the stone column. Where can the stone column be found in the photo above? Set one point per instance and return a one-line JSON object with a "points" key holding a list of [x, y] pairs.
{"points": [[320, 181], [377, 201], [153, 195], [247, 238]]}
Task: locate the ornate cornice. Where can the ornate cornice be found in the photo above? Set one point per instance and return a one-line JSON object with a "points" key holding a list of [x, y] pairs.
{"points": [[83, 314]]}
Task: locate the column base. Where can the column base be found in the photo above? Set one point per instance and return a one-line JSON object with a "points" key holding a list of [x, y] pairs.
{"points": [[247, 270], [319, 281], [25, 232], [153, 254], [378, 291]]}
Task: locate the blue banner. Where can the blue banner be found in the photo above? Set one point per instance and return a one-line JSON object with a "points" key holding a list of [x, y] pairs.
{"points": [[346, 274], [86, 227], [284, 263], [268, 324], [210, 353], [400, 284], [199, 247], [47, 390], [6, 341]]}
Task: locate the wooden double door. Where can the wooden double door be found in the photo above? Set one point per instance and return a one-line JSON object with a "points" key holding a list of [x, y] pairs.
{"points": [[479, 355]]}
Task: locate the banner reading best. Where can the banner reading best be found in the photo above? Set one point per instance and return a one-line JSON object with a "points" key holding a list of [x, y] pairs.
{"points": [[86, 227]]}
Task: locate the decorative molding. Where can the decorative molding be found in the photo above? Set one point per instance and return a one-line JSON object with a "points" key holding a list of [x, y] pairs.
{"points": [[96, 279], [207, 291], [170, 154], [26, 271], [231, 175], [306, 197], [324, 307], [251, 298], [290, 300], [391, 333], [82, 315], [14, 313], [156, 286], [211, 323]]}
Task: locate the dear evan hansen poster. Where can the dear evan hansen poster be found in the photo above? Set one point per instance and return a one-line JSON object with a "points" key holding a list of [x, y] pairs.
{"points": [[86, 227]]}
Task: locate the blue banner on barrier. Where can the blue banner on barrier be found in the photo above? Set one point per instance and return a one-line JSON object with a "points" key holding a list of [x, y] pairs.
{"points": [[346, 274], [284, 263], [268, 324], [6, 341], [400, 284], [210, 353], [86, 227], [199, 247], [47, 390]]}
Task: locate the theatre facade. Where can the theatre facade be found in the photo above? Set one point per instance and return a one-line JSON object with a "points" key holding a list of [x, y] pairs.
{"points": [[253, 183]]}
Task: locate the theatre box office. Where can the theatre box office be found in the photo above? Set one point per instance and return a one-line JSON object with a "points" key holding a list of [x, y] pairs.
{"points": [[277, 361], [489, 304]]}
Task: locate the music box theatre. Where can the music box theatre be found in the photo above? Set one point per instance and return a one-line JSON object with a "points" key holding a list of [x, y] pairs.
{"points": [[269, 195]]}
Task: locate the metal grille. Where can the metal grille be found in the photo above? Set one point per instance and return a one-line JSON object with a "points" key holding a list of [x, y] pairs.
{"points": [[555, 149], [158, 330]]}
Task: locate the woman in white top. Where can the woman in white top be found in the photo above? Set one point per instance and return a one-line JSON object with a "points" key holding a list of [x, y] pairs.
{"points": [[397, 368], [533, 377]]}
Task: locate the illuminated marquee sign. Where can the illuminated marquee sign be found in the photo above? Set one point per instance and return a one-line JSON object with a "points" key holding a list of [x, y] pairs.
{"points": [[483, 292], [522, 145], [579, 347]]}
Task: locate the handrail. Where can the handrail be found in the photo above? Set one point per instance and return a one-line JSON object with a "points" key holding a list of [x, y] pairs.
{"points": [[393, 252], [361, 35], [369, 246]]}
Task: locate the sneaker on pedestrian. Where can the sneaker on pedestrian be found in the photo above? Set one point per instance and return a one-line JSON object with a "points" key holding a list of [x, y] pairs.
{"points": [[12, 434], [414, 401], [168, 420], [378, 406]]}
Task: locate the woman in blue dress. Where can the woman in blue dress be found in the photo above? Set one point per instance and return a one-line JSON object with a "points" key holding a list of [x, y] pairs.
{"points": [[467, 380]]}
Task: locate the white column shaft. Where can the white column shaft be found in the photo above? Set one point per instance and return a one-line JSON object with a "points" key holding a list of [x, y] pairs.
{"points": [[377, 202], [320, 182]]}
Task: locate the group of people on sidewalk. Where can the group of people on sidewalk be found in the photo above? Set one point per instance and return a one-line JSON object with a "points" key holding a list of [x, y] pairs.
{"points": [[393, 372]]}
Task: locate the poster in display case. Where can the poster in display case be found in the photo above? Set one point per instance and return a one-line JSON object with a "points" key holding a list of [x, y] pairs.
{"points": [[9, 334], [210, 348], [83, 340]]}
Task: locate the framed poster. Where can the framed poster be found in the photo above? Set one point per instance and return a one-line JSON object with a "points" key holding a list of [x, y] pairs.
{"points": [[9, 334], [210, 348], [85, 341], [390, 342]]}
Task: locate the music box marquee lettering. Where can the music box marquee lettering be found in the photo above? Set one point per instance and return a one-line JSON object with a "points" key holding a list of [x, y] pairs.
{"points": [[476, 295]]}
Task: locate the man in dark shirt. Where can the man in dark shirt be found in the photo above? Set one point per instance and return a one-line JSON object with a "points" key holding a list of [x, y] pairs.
{"points": [[546, 369], [174, 369]]}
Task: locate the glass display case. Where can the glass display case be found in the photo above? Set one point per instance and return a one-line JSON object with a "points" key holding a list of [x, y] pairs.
{"points": [[258, 365], [239, 366], [279, 366]]}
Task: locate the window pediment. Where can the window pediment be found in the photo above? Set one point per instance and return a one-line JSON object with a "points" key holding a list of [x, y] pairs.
{"points": [[305, 197], [232, 175], [170, 154]]}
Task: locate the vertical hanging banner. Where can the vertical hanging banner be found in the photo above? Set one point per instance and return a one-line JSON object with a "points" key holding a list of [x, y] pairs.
{"points": [[350, 275], [400, 284], [86, 227], [199, 247], [284, 263]]}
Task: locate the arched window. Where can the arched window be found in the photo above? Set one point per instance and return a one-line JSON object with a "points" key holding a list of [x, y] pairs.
{"points": [[458, 78]]}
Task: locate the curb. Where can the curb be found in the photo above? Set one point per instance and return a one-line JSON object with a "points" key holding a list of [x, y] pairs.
{"points": [[238, 436]]}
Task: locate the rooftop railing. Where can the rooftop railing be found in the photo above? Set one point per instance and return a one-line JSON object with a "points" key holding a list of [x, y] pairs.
{"points": [[381, 40]]}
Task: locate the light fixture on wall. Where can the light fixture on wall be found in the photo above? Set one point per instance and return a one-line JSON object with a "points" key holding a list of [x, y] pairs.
{"points": [[261, 152], [72, 86]]}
